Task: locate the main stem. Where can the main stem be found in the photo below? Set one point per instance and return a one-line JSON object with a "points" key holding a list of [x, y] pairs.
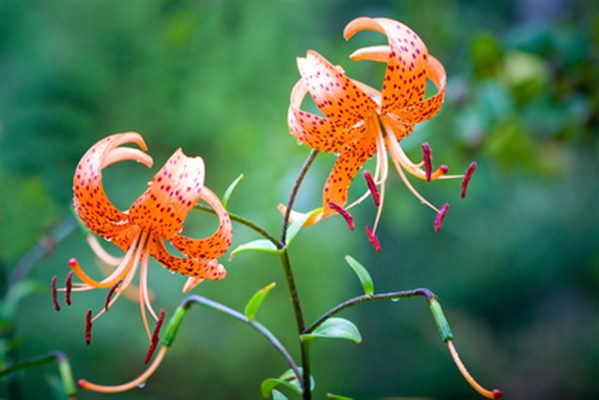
{"points": [[285, 262]]}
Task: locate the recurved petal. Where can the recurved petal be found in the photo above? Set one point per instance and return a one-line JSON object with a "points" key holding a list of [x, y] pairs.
{"points": [[336, 95], [346, 167], [170, 195], [405, 78], [218, 243], [314, 131], [90, 201], [189, 266]]}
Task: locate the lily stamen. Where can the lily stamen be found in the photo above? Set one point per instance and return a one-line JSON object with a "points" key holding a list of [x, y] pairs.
{"points": [[441, 216], [490, 394], [372, 188], [69, 287], [83, 384], [373, 239], [467, 177], [88, 327], [155, 337], [427, 159], [55, 294], [349, 219], [110, 293]]}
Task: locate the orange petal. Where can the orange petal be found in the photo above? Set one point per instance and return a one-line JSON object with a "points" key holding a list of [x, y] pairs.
{"points": [[92, 205], [196, 267], [171, 194], [314, 131], [218, 243], [405, 78], [347, 166], [335, 94]]}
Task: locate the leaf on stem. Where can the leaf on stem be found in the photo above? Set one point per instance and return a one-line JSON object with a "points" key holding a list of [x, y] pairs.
{"points": [[261, 245], [335, 328], [297, 225], [287, 379], [276, 395], [253, 305], [231, 189], [363, 275]]}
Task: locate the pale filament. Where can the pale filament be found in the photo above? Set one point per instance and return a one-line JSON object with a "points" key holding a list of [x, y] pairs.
{"points": [[393, 147], [382, 154], [144, 301], [475, 385], [132, 291], [117, 275], [102, 254], [413, 168], [129, 385], [125, 284]]}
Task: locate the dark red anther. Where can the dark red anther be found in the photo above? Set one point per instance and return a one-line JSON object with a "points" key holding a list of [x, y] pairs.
{"points": [[55, 294], [440, 217], [72, 262], [497, 394], [110, 293], [373, 189], [373, 239], [428, 160], [155, 337], [467, 176], [444, 168], [69, 287], [88, 327], [344, 213]]}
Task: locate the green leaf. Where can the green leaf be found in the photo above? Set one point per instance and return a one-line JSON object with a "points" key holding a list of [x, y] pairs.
{"points": [[363, 275], [269, 384], [255, 302], [262, 245], [16, 294], [290, 376], [230, 190], [337, 397], [297, 225], [336, 328]]}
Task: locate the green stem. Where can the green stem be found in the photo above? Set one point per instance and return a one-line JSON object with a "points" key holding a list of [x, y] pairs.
{"points": [[429, 295], [244, 221], [286, 263], [64, 368], [177, 319]]}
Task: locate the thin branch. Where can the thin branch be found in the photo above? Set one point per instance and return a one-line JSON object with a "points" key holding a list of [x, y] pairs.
{"points": [[429, 295], [252, 225], [296, 186], [188, 301]]}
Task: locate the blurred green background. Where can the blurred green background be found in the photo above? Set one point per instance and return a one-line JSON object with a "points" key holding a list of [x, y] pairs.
{"points": [[516, 265]]}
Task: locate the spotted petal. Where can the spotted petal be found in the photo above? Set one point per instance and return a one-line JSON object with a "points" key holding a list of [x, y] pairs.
{"points": [[189, 266], [405, 77], [314, 131], [171, 194], [347, 166], [335, 95], [92, 205], [218, 243]]}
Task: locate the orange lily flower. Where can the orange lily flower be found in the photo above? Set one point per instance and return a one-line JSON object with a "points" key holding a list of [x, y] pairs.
{"points": [[157, 215], [361, 121]]}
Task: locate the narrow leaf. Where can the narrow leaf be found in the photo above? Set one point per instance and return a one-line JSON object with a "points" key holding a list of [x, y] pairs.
{"points": [[262, 245], [230, 190], [255, 302], [337, 397], [297, 225], [269, 384], [363, 275], [336, 328]]}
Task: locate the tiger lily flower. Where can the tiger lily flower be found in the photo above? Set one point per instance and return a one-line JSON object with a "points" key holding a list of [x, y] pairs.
{"points": [[155, 217], [361, 121]]}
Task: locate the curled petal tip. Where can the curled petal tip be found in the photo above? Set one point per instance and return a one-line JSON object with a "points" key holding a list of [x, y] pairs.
{"points": [[497, 394], [467, 177], [440, 217]]}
